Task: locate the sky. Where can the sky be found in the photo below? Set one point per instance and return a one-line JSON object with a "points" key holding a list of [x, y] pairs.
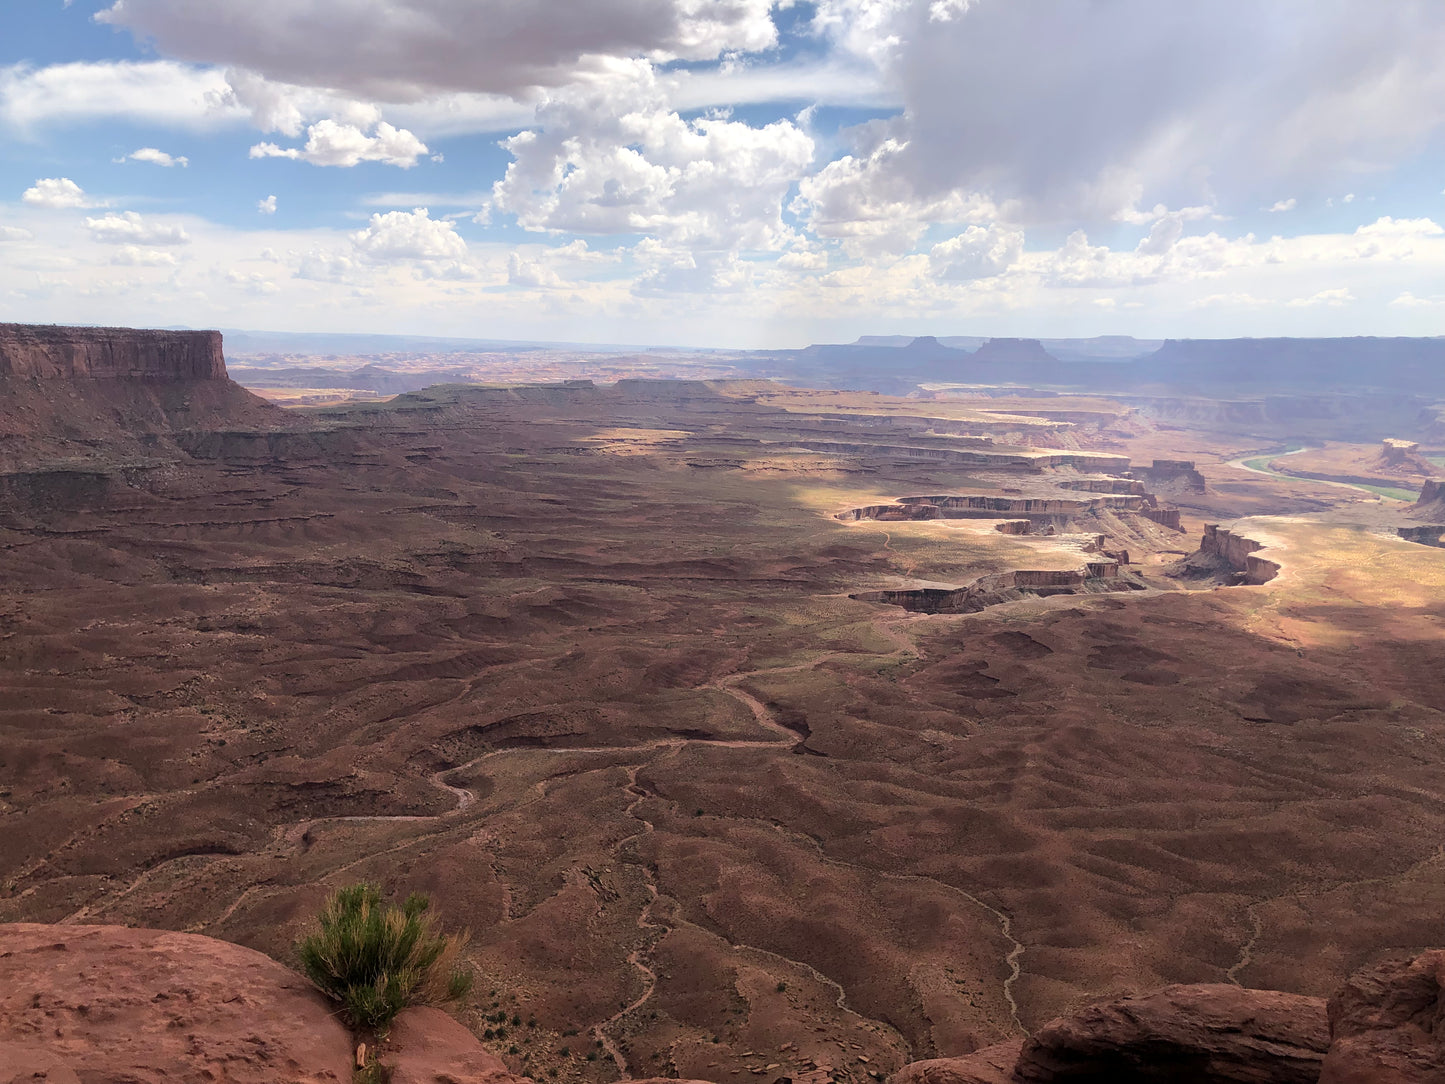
{"points": [[726, 173]]}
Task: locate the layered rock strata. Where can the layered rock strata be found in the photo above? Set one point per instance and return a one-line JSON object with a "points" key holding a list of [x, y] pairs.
{"points": [[1238, 554], [43, 352], [1429, 535], [986, 591]]}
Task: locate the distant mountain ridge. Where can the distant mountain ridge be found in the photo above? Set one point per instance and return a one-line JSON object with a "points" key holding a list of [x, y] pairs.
{"points": [[1244, 366]]}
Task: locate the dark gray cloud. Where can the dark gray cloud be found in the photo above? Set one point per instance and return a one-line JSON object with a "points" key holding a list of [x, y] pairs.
{"points": [[1075, 106], [400, 50]]}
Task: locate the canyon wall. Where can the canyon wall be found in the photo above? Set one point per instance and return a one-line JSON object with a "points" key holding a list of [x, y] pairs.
{"points": [[1431, 504], [1177, 473], [44, 352], [1002, 587], [983, 507], [1426, 536], [1237, 553]]}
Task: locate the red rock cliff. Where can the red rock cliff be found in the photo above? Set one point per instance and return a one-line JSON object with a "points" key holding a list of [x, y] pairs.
{"points": [[1237, 552], [44, 352]]}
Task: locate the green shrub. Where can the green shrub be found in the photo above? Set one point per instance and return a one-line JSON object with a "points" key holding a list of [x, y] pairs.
{"points": [[376, 959]]}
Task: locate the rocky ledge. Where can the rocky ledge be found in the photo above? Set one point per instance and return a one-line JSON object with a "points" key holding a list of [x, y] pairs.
{"points": [[103, 1004], [44, 352], [81, 1004], [1229, 556], [1386, 1026]]}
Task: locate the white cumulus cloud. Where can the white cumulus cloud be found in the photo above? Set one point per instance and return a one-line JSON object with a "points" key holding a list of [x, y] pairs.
{"points": [[977, 253], [608, 156], [866, 201], [522, 271], [156, 158], [1333, 298], [414, 235], [56, 193], [266, 206], [331, 143], [159, 92], [135, 256], [129, 228]]}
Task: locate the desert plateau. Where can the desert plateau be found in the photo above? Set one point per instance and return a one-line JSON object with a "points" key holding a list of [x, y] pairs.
{"points": [[751, 729]]}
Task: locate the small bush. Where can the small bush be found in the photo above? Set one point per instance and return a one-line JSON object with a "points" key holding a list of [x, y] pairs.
{"points": [[376, 959]]}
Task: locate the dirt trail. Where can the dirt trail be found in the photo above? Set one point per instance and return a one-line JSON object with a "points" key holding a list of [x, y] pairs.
{"points": [[644, 922]]}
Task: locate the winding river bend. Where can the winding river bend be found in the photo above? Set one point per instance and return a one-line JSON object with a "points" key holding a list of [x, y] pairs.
{"points": [[1260, 464]]}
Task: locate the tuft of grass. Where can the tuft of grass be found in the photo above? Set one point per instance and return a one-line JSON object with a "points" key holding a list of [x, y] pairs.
{"points": [[375, 958]]}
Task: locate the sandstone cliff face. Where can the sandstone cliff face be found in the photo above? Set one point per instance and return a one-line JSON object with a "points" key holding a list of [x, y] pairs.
{"points": [[1002, 587], [1431, 504], [42, 352], [1175, 474], [1426, 536], [1237, 553]]}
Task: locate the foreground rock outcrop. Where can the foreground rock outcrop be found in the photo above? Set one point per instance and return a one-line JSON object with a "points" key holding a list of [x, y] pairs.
{"points": [[1205, 1034], [106, 1003], [991, 1065], [1388, 1024], [44, 352], [91, 1004]]}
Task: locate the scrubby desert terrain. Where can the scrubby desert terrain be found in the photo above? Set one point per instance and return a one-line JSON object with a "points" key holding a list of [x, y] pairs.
{"points": [[650, 685]]}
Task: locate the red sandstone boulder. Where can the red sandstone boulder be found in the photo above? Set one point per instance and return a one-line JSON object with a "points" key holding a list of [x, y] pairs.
{"points": [[1207, 1034], [426, 1046], [991, 1065], [1388, 1024], [106, 1003]]}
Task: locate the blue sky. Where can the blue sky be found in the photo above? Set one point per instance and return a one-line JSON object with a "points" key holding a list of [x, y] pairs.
{"points": [[726, 172]]}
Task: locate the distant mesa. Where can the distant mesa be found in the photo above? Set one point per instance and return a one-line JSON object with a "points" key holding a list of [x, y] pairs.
{"points": [[45, 352], [1009, 352], [1403, 457], [139, 392]]}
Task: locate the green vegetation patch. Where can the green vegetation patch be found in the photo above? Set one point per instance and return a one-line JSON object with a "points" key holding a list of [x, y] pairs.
{"points": [[376, 959]]}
